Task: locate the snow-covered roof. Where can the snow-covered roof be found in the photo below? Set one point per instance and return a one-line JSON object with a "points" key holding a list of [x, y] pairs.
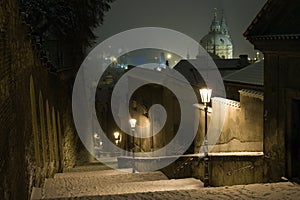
{"points": [[252, 74]]}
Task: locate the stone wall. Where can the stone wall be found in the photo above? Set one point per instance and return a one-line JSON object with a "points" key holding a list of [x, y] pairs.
{"points": [[242, 129], [236, 157], [34, 111]]}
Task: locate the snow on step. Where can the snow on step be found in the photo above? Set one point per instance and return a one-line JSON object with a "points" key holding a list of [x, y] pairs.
{"points": [[93, 173], [100, 178], [86, 181], [85, 188]]}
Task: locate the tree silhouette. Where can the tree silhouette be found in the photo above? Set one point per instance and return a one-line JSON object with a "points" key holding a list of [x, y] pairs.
{"points": [[62, 20]]}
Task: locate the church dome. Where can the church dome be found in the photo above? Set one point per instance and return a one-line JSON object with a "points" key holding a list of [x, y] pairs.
{"points": [[217, 39], [217, 42]]}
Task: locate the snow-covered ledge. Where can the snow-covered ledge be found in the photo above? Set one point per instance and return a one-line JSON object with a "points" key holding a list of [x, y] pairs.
{"points": [[234, 154], [242, 153], [252, 93]]}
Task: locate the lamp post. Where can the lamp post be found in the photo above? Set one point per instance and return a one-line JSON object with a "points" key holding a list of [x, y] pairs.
{"points": [[205, 97], [97, 144], [117, 137], [132, 125]]}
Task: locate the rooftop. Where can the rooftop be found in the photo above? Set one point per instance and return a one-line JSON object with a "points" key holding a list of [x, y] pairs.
{"points": [[252, 74], [278, 20]]}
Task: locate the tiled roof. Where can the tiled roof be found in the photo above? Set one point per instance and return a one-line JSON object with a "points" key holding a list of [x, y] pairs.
{"points": [[257, 18], [252, 74], [277, 20]]}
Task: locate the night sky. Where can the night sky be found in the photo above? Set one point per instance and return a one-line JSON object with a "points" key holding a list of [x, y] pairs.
{"points": [[191, 17]]}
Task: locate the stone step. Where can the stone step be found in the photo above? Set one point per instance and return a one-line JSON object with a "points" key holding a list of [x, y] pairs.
{"points": [[36, 193], [88, 189]]}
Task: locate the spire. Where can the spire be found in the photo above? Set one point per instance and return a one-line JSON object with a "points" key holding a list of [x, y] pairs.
{"points": [[215, 14], [215, 25], [224, 27]]}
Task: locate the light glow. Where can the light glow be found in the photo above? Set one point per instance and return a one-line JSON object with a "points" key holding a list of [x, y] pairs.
{"points": [[96, 136], [113, 59]]}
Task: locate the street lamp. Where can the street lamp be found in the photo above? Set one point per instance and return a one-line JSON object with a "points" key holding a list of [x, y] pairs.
{"points": [[117, 137], [205, 97], [97, 144], [132, 125]]}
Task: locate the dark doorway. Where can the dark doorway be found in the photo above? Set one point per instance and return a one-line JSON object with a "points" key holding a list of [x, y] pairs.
{"points": [[295, 141]]}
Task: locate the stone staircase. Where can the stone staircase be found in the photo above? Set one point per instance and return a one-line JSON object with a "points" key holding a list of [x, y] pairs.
{"points": [[110, 183]]}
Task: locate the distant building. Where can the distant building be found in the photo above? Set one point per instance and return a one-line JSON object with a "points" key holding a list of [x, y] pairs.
{"points": [[146, 58], [218, 42], [225, 67]]}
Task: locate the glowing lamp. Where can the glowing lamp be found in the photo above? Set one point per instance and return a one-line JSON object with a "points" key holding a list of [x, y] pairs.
{"points": [[205, 95], [132, 122], [116, 135]]}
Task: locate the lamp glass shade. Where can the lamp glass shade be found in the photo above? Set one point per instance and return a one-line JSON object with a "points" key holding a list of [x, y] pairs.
{"points": [[205, 94], [116, 135], [132, 123]]}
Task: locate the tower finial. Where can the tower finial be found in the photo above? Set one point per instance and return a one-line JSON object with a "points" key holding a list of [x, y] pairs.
{"points": [[216, 10], [215, 25], [215, 14]]}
